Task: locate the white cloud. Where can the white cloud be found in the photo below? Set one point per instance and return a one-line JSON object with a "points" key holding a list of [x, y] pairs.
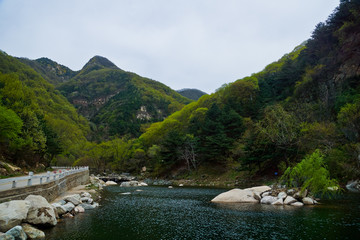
{"points": [[182, 43]]}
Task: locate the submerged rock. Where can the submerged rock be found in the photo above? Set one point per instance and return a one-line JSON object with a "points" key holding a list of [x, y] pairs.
{"points": [[31, 232]]}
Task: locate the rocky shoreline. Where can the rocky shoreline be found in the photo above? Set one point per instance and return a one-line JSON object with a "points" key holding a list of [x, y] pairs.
{"points": [[21, 219], [267, 195]]}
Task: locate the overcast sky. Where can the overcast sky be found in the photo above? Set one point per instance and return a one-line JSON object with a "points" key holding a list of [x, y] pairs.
{"points": [[181, 43]]}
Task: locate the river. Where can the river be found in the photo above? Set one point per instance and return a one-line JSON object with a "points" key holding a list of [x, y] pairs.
{"points": [[187, 213]]}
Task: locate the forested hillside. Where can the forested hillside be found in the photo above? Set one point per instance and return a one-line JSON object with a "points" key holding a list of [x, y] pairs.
{"points": [[263, 123], [37, 123], [117, 102]]}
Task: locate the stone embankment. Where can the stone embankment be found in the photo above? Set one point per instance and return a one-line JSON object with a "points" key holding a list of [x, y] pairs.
{"points": [[20, 219], [266, 195]]}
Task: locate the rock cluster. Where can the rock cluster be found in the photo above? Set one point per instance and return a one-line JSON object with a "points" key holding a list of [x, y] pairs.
{"points": [[266, 195], [18, 218], [133, 184]]}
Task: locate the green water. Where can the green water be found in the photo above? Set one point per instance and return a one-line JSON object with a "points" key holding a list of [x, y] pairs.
{"points": [[187, 213]]}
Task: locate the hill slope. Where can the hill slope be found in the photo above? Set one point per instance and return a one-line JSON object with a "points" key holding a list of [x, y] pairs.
{"points": [[37, 122], [51, 71], [119, 102], [193, 94]]}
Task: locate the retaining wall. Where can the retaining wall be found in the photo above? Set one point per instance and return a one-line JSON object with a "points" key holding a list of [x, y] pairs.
{"points": [[50, 190]]}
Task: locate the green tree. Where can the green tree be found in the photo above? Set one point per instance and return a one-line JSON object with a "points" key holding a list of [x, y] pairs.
{"points": [[10, 124], [312, 174]]}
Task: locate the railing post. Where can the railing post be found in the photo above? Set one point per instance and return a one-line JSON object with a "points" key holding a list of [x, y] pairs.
{"points": [[40, 180], [47, 176], [14, 184], [31, 174]]}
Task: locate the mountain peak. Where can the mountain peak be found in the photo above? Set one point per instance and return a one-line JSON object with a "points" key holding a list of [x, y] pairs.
{"points": [[99, 62]]}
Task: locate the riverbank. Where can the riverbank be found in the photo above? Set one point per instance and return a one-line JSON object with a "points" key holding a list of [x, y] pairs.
{"points": [[23, 219]]}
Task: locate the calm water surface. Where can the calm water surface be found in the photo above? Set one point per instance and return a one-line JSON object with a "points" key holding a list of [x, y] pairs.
{"points": [[187, 213]]}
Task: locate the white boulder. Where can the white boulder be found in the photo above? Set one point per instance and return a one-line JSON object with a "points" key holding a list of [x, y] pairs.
{"points": [[289, 200], [13, 213], [142, 184], [40, 211], [236, 195], [59, 208], [79, 209], [282, 195], [110, 183], [74, 199], [259, 189], [280, 201], [268, 200], [308, 201], [69, 206]]}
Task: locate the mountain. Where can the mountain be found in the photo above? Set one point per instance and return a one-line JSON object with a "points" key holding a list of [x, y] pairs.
{"points": [[307, 101], [37, 123], [51, 71], [193, 94], [119, 102]]}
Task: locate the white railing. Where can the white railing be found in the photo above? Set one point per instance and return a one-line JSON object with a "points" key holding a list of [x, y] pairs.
{"points": [[32, 179]]}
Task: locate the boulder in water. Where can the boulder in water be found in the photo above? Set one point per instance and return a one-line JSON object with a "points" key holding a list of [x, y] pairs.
{"points": [[236, 196]]}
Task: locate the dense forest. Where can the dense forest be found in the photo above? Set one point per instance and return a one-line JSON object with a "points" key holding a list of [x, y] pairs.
{"points": [[307, 102]]}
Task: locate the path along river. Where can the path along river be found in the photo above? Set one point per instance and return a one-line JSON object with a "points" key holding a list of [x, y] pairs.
{"points": [[187, 213]]}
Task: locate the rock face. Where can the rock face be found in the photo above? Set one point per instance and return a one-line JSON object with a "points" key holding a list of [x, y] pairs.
{"points": [[13, 213], [17, 232], [32, 232], [40, 212], [236, 195]]}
